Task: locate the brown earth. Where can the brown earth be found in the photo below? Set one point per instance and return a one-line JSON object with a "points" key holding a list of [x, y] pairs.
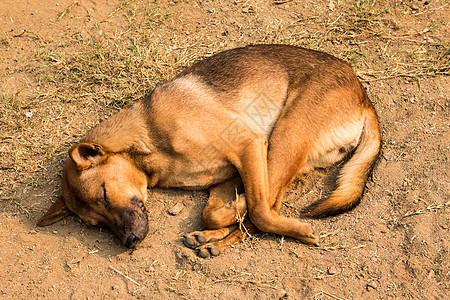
{"points": [[66, 65]]}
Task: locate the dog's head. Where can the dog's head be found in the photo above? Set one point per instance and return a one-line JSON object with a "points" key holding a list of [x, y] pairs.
{"points": [[102, 188]]}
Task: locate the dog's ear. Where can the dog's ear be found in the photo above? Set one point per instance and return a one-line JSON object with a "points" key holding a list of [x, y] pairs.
{"points": [[57, 211], [86, 155]]}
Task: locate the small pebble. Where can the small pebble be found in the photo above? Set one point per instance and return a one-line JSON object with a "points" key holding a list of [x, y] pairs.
{"points": [[372, 286], [332, 270], [175, 210]]}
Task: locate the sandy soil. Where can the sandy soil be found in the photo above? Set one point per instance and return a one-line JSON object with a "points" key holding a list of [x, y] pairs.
{"points": [[394, 245]]}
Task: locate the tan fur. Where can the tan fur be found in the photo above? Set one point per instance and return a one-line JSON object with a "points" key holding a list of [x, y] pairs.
{"points": [[242, 123]]}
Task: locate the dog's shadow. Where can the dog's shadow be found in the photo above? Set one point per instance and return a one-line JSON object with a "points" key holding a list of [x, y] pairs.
{"points": [[175, 211], [29, 203]]}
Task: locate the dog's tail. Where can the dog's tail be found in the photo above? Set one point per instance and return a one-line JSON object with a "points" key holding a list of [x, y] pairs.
{"points": [[353, 175]]}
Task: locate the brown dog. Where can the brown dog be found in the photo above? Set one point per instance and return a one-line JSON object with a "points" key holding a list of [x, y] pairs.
{"points": [[242, 122]]}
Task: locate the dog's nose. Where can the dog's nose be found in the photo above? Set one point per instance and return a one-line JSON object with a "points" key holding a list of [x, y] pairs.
{"points": [[132, 240]]}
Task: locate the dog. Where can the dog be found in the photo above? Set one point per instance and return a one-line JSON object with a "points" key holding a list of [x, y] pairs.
{"points": [[242, 123]]}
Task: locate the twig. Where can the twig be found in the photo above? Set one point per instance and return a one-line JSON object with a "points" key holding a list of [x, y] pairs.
{"points": [[337, 19], [339, 247], [322, 293], [120, 7], [360, 246], [278, 2], [443, 70], [330, 248], [240, 218], [295, 253], [429, 208], [322, 277], [288, 205], [22, 207], [419, 13], [66, 11], [20, 34], [243, 281], [120, 273], [33, 35], [329, 234]]}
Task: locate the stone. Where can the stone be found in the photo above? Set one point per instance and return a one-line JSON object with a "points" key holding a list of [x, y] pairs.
{"points": [[176, 209]]}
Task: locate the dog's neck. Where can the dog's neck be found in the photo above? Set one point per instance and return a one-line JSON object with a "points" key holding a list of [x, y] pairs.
{"points": [[127, 131]]}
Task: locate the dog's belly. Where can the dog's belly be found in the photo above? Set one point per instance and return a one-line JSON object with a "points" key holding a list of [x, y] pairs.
{"points": [[197, 174]]}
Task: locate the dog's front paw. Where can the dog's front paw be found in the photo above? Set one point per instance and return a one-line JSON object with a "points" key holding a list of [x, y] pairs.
{"points": [[196, 238], [209, 243], [210, 249]]}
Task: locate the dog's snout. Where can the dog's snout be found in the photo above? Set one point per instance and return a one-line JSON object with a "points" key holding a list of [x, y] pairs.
{"points": [[131, 240]]}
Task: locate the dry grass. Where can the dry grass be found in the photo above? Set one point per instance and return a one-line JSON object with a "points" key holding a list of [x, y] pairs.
{"points": [[111, 69], [428, 209], [365, 35]]}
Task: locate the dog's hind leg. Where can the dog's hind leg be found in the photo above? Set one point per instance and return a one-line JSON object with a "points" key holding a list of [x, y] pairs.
{"points": [[286, 157], [252, 165], [226, 206]]}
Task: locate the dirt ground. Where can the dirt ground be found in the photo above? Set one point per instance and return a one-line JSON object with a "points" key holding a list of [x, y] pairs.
{"points": [[64, 66]]}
